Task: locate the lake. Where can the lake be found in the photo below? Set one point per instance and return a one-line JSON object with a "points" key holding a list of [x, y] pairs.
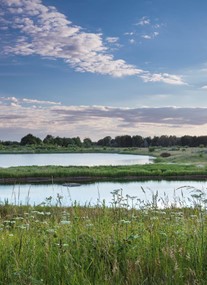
{"points": [[169, 192], [75, 159]]}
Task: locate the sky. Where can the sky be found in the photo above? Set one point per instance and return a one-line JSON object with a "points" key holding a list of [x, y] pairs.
{"points": [[96, 68]]}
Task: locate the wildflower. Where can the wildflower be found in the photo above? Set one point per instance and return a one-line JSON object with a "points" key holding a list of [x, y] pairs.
{"points": [[65, 222], [22, 227], [19, 218], [125, 222], [51, 231], [162, 212], [89, 225], [41, 213], [154, 218]]}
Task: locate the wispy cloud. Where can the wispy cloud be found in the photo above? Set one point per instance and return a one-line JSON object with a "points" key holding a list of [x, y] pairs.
{"points": [[150, 36], [146, 37], [149, 28], [97, 121], [163, 77], [46, 32], [25, 101], [112, 39], [143, 21]]}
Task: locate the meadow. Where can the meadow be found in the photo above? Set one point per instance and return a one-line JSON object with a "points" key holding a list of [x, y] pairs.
{"points": [[120, 244]]}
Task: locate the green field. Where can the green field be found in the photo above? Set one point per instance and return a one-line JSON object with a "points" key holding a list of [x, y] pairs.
{"points": [[100, 245]]}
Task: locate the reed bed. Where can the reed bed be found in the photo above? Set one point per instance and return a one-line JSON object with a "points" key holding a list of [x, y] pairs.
{"points": [[99, 245], [104, 172]]}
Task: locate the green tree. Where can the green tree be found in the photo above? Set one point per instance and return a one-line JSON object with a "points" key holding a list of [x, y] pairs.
{"points": [[30, 139], [87, 142], [49, 140]]}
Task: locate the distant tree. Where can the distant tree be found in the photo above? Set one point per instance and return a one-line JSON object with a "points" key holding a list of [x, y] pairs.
{"points": [[58, 141], [30, 139], [137, 141], [87, 142], [163, 141], [123, 141], [147, 141], [49, 140], [77, 141], [106, 141], [186, 140], [10, 143], [154, 141]]}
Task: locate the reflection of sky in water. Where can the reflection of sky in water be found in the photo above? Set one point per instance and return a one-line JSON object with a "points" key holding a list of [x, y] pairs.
{"points": [[168, 192], [85, 159]]}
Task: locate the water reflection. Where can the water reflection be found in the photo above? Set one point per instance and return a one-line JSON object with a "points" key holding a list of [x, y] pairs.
{"points": [[77, 159], [164, 193]]}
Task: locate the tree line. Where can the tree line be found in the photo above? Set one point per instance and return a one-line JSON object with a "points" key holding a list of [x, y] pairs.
{"points": [[118, 141]]}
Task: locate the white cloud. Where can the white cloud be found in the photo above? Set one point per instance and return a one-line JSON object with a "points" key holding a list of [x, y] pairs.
{"points": [[204, 87], [129, 33], [25, 101], [112, 39], [151, 36], [163, 77], [143, 21], [48, 33], [41, 102], [147, 37], [155, 34], [96, 121], [132, 41]]}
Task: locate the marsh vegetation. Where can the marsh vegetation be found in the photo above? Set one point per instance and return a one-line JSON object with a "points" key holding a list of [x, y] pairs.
{"points": [[104, 245]]}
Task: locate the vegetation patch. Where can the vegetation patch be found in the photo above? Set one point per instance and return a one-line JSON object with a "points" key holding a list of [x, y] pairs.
{"points": [[101, 245], [96, 173], [165, 154]]}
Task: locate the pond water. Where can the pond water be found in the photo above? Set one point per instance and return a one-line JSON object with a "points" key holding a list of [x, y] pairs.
{"points": [[64, 159], [169, 192]]}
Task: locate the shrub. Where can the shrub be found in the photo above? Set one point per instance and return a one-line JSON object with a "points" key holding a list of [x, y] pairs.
{"points": [[165, 154]]}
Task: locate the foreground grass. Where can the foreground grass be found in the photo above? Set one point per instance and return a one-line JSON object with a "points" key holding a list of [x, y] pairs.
{"points": [[84, 173], [100, 245]]}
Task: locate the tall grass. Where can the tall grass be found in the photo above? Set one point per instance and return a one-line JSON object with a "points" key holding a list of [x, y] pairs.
{"points": [[102, 172], [104, 245]]}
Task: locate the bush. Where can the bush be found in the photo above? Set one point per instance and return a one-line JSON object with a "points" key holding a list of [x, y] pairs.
{"points": [[165, 154]]}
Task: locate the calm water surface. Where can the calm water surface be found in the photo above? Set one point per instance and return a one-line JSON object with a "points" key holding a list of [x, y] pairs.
{"points": [[169, 192], [64, 159]]}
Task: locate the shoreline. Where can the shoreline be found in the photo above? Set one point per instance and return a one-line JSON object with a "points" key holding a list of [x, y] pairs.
{"points": [[89, 179]]}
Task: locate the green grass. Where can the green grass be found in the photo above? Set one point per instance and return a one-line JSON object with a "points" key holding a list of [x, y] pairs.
{"points": [[101, 245], [84, 173]]}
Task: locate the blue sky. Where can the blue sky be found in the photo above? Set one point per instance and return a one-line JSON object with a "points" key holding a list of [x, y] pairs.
{"points": [[93, 68]]}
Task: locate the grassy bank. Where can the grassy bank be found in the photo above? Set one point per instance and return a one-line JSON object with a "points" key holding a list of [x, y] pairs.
{"points": [[84, 173], [101, 246]]}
